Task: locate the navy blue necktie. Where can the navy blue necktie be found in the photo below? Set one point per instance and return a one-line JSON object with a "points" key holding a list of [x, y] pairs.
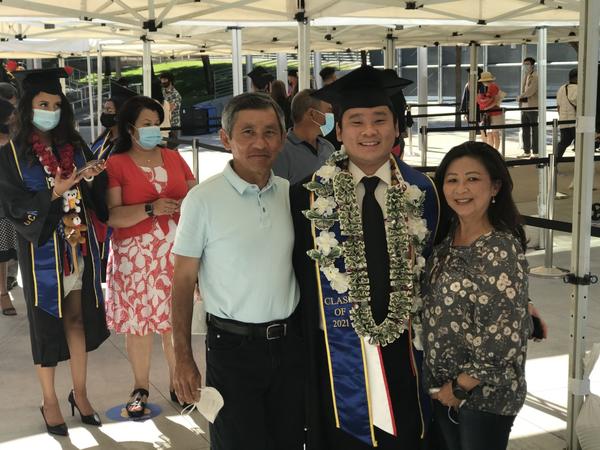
{"points": [[378, 261]]}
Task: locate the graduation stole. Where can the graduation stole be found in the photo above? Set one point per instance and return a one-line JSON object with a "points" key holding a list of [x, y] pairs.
{"points": [[48, 265], [344, 292]]}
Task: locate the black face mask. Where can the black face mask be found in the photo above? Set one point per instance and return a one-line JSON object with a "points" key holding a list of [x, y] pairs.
{"points": [[165, 85], [108, 120], [4, 128]]}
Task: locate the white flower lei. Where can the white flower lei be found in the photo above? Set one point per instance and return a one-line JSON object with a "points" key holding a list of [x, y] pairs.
{"points": [[406, 232]]}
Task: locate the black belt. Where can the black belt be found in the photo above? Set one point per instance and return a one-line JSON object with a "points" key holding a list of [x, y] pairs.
{"points": [[268, 331]]}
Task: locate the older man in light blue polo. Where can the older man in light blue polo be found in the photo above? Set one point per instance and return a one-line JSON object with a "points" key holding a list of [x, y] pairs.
{"points": [[236, 237]]}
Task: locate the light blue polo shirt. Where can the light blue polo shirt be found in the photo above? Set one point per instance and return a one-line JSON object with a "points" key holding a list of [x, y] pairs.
{"points": [[244, 238]]}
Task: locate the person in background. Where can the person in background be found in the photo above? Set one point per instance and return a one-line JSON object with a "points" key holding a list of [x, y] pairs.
{"points": [[305, 148], [327, 75], [8, 237], [145, 188], [157, 95], [47, 194], [529, 99], [253, 346], [261, 79], [399, 104], [280, 96], [9, 92], [489, 105], [171, 96], [292, 83], [475, 302], [566, 104]]}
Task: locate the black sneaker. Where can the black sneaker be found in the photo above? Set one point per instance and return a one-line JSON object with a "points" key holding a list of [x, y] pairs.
{"points": [[11, 283]]}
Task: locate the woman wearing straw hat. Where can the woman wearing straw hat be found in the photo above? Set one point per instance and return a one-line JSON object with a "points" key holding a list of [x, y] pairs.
{"points": [[489, 103]]}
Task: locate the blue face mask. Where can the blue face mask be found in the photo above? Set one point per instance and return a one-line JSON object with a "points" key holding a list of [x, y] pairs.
{"points": [[45, 120], [329, 123], [150, 137]]}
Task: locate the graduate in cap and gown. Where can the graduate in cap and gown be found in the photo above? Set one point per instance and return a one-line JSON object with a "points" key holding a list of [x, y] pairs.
{"points": [[363, 223], [261, 79], [48, 199]]}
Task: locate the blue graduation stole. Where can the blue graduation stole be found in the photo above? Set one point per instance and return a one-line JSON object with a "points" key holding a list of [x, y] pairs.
{"points": [[345, 349], [102, 148], [46, 260]]}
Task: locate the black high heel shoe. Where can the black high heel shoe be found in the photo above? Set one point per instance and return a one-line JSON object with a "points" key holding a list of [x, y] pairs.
{"points": [[138, 403], [175, 399], [92, 419], [59, 430]]}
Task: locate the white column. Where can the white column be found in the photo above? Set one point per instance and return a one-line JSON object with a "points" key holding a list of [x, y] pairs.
{"points": [[249, 67], [473, 90], [543, 152], [90, 96], [399, 61], [390, 51], [303, 54], [99, 84], [147, 68], [236, 60], [440, 69], [422, 81], [63, 83], [484, 57], [523, 56], [317, 69], [282, 67], [582, 206], [37, 63]]}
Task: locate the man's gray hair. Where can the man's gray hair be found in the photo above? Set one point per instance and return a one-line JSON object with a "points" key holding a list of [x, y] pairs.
{"points": [[246, 101], [302, 102]]}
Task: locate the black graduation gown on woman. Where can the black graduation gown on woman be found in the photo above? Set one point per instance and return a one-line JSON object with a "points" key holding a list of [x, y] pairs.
{"points": [[36, 219], [409, 401]]}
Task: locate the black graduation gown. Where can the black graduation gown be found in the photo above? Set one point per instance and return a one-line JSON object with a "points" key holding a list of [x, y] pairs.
{"points": [[48, 342], [410, 419]]}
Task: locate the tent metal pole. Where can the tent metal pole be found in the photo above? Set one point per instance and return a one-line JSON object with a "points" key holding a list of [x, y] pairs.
{"points": [[484, 57], [303, 53], [440, 70], [390, 50], [249, 66], [147, 68], [282, 68], [99, 84], [236, 60], [63, 83], [473, 90], [582, 206], [422, 82], [90, 96], [399, 61], [542, 51], [317, 69], [458, 86]]}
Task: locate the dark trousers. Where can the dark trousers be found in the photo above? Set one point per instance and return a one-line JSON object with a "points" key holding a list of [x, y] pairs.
{"points": [[262, 385], [567, 137], [476, 430], [527, 118]]}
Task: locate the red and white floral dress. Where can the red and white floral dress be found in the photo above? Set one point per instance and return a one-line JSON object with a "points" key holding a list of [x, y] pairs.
{"points": [[140, 269]]}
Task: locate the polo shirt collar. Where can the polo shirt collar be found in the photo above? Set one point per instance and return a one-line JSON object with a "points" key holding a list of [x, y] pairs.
{"points": [[384, 173], [240, 184]]}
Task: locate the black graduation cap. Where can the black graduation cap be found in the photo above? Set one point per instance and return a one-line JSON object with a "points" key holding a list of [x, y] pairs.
{"points": [[260, 77], [119, 94], [365, 87], [42, 80]]}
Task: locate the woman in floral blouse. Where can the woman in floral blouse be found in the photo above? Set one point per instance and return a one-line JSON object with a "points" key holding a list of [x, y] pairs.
{"points": [[475, 317]]}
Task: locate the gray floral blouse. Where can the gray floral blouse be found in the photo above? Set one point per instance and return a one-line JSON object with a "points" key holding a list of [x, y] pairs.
{"points": [[475, 320]]}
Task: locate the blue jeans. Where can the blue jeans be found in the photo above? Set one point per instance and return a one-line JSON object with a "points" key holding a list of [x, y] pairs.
{"points": [[476, 430]]}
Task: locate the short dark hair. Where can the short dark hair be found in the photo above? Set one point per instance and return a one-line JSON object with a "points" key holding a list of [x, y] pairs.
{"points": [[503, 214], [529, 59], [128, 115], [327, 72], [573, 75], [246, 101], [167, 75]]}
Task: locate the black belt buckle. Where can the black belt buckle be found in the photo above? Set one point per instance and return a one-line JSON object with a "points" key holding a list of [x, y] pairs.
{"points": [[276, 331]]}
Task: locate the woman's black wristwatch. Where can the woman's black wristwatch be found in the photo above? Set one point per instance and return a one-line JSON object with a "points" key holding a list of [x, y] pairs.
{"points": [[459, 392], [149, 209]]}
